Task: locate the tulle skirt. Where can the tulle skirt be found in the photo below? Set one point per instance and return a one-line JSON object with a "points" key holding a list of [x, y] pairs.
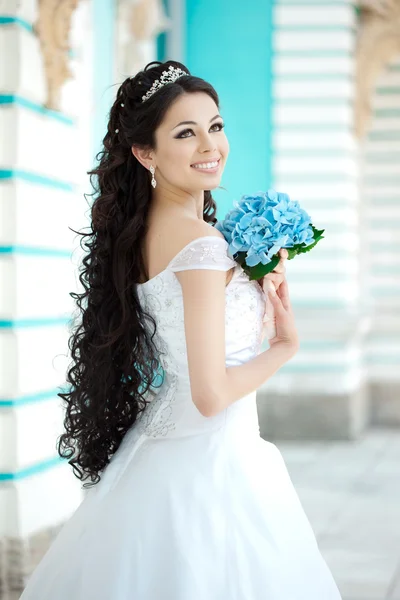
{"points": [[212, 516]]}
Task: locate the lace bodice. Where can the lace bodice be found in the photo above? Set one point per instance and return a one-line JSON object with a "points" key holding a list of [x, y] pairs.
{"points": [[172, 412]]}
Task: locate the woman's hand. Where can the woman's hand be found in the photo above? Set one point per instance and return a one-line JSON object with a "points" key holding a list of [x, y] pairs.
{"points": [[276, 276], [286, 332], [279, 324]]}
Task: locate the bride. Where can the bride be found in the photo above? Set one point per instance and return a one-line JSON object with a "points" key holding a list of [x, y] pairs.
{"points": [[185, 500]]}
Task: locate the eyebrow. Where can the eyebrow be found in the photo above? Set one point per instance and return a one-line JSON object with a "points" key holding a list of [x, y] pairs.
{"points": [[194, 122]]}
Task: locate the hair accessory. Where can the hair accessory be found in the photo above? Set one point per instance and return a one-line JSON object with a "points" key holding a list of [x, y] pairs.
{"points": [[122, 104], [117, 131], [169, 76], [153, 181]]}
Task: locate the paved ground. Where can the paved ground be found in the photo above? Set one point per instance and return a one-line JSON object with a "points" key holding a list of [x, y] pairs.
{"points": [[351, 494]]}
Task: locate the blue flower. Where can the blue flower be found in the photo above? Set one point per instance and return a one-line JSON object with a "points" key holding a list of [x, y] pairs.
{"points": [[260, 225]]}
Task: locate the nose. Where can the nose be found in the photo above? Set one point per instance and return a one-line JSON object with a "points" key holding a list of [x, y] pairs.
{"points": [[207, 143]]}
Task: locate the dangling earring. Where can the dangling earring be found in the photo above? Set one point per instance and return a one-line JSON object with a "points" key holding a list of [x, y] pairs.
{"points": [[153, 181]]}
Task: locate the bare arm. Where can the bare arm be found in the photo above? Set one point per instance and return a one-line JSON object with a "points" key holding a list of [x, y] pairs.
{"points": [[214, 386], [244, 379]]}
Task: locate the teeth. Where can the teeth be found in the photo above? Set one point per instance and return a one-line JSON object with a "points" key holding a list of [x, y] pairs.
{"points": [[210, 165]]}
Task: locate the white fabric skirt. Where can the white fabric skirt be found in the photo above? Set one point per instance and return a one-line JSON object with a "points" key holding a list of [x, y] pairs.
{"points": [[212, 516]]}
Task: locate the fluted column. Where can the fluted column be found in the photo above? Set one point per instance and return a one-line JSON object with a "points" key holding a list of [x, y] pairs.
{"points": [[315, 159], [45, 151]]}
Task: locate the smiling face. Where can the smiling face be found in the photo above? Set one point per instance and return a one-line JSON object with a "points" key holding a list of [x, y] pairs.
{"points": [[191, 146]]}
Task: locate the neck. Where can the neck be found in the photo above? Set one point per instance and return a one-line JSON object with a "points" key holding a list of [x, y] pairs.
{"points": [[191, 204]]}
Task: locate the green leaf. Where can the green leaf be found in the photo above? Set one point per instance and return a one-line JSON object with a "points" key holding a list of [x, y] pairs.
{"points": [[260, 270], [317, 237]]}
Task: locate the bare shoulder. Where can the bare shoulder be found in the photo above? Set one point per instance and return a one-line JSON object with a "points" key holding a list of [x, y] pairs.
{"points": [[171, 236], [168, 236], [192, 230]]}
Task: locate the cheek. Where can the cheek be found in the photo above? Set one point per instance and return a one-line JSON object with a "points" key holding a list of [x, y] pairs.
{"points": [[225, 147], [176, 162], [172, 156], [180, 152]]}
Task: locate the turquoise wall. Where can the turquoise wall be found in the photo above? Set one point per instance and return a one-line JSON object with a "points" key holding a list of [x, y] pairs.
{"points": [[162, 37], [228, 43]]}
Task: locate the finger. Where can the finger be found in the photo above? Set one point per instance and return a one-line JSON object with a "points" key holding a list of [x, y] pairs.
{"points": [[280, 267], [275, 301], [273, 295], [280, 270], [276, 278], [283, 293], [273, 286], [268, 285]]}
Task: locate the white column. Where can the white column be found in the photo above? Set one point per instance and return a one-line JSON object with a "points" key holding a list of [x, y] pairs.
{"points": [[315, 160], [381, 235], [176, 34], [44, 156]]}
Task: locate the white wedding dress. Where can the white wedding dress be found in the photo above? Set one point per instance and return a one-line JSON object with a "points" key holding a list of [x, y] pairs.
{"points": [[190, 507]]}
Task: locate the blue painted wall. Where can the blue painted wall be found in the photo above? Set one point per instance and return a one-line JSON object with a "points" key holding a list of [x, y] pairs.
{"points": [[162, 38], [228, 43]]}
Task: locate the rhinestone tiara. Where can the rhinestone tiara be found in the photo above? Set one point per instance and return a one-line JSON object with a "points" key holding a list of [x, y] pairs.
{"points": [[169, 76]]}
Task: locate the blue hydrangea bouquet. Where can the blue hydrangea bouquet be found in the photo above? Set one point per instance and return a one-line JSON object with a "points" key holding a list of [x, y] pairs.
{"points": [[257, 228]]}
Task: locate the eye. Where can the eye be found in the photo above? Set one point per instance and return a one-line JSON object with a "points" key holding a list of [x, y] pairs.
{"points": [[219, 125], [183, 134]]}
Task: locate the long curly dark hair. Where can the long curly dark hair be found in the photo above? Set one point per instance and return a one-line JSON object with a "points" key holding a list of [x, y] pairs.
{"points": [[114, 359]]}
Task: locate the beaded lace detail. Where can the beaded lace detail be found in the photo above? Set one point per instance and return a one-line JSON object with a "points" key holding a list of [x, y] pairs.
{"points": [[156, 420], [162, 298], [208, 252]]}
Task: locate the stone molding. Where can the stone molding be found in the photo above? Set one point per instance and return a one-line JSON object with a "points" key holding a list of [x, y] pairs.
{"points": [[53, 27], [378, 44], [139, 22]]}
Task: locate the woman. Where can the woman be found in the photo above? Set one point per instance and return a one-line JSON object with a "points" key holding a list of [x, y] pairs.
{"points": [[186, 500]]}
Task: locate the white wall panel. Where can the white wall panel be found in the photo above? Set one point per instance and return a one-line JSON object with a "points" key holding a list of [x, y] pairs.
{"points": [[300, 164], [313, 89], [8, 362], [313, 65], [313, 191], [22, 511], [36, 427], [40, 216], [312, 139], [316, 41], [34, 359], [37, 287], [30, 135], [22, 73], [320, 15], [313, 116]]}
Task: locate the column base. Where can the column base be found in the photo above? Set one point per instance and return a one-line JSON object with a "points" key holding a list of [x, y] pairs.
{"points": [[18, 559], [312, 416], [385, 403]]}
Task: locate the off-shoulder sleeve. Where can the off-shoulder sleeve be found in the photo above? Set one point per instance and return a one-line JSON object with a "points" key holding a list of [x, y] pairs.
{"points": [[208, 252]]}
